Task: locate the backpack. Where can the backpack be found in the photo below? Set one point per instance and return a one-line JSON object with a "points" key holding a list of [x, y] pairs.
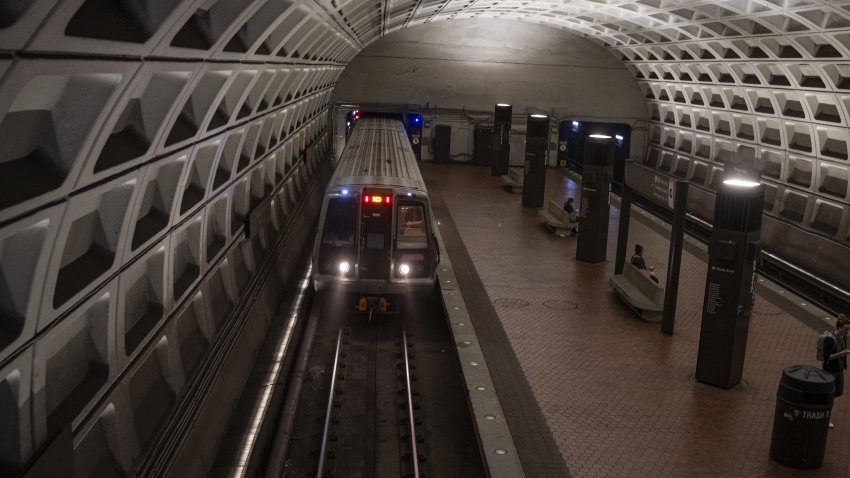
{"points": [[821, 339]]}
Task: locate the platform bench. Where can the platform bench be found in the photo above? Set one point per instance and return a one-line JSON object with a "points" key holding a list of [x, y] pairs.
{"points": [[513, 180], [560, 222], [639, 292]]}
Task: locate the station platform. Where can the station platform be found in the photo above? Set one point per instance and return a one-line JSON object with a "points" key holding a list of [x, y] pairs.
{"points": [[587, 387]]}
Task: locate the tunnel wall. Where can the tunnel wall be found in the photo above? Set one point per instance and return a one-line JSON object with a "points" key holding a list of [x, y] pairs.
{"points": [[138, 139], [139, 135], [470, 65], [781, 97]]}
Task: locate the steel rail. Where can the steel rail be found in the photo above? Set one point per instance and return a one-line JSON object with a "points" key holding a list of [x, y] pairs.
{"points": [[329, 411], [808, 275], [411, 422]]}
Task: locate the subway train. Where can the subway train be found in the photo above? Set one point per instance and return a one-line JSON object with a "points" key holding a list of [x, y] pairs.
{"points": [[376, 241]]}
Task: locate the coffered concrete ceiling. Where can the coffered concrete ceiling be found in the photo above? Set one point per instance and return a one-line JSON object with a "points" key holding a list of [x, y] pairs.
{"points": [[139, 134]]}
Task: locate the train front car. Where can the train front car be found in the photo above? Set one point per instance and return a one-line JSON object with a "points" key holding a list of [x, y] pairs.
{"points": [[376, 242]]}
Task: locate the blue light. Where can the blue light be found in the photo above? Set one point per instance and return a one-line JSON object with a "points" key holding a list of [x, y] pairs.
{"points": [[409, 194], [575, 123], [345, 192], [619, 137], [415, 119]]}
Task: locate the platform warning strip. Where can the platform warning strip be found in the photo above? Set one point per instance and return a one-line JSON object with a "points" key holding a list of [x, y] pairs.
{"points": [[540, 455]]}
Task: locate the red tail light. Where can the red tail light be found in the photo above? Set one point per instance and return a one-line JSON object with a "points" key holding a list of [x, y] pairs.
{"points": [[374, 199]]}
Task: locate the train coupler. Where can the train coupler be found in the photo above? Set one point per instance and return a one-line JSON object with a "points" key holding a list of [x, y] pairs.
{"points": [[374, 304]]}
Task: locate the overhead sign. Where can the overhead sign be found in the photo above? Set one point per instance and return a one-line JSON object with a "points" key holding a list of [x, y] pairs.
{"points": [[651, 184], [661, 189]]}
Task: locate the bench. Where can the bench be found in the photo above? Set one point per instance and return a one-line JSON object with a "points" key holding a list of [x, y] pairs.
{"points": [[559, 221], [513, 180], [639, 292]]}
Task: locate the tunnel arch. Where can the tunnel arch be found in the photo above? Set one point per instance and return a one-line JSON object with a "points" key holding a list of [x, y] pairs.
{"points": [[443, 63], [439, 66]]}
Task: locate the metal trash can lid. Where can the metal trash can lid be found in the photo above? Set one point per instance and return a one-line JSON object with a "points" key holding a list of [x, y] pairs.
{"points": [[808, 378]]}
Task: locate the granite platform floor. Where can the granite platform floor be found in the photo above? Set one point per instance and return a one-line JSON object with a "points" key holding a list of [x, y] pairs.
{"points": [[619, 397]]}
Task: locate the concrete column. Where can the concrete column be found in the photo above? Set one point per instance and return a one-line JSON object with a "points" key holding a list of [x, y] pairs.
{"points": [[536, 155], [732, 253], [594, 210], [501, 140]]}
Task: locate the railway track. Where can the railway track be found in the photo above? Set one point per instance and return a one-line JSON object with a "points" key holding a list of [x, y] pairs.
{"points": [[382, 398], [341, 430]]}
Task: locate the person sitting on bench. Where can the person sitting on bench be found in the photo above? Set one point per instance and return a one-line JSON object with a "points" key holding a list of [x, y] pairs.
{"points": [[637, 261], [568, 206], [571, 211]]}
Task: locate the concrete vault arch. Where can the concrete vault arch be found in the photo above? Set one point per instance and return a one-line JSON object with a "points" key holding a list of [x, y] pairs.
{"points": [[139, 135]]}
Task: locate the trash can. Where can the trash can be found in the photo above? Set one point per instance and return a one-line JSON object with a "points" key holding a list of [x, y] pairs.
{"points": [[801, 420]]}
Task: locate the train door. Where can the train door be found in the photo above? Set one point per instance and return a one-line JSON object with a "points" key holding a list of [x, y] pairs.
{"points": [[375, 238]]}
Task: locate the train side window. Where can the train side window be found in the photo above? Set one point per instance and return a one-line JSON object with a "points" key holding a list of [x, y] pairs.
{"points": [[340, 222], [411, 225]]}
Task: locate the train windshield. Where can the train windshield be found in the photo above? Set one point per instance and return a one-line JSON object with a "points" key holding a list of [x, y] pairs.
{"points": [[412, 231], [340, 222]]}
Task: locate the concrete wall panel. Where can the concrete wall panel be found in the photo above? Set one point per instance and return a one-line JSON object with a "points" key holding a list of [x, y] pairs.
{"points": [[50, 110], [88, 246], [16, 434], [25, 248], [74, 364], [153, 209], [136, 122], [91, 26], [21, 20], [144, 300]]}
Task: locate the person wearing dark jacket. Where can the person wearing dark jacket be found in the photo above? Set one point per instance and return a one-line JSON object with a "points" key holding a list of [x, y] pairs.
{"points": [[835, 354], [571, 212], [637, 261], [568, 206]]}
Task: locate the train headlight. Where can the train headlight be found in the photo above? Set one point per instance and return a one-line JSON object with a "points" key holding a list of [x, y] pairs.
{"points": [[404, 269], [344, 267]]}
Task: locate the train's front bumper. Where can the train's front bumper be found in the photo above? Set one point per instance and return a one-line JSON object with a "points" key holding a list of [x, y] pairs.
{"points": [[378, 296], [378, 287]]}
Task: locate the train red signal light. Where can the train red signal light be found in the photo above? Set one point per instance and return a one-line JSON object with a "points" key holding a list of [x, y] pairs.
{"points": [[376, 199]]}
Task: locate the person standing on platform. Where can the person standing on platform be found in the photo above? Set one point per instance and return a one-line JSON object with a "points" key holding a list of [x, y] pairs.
{"points": [[835, 354]]}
